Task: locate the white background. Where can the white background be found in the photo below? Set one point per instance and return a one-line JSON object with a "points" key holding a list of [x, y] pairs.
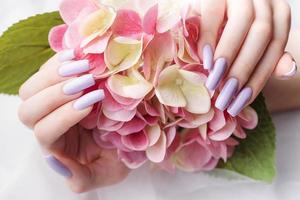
{"points": [[24, 174]]}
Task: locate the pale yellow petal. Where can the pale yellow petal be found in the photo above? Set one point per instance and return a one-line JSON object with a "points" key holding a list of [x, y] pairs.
{"points": [[122, 53], [98, 22], [153, 133], [157, 152], [132, 86]]}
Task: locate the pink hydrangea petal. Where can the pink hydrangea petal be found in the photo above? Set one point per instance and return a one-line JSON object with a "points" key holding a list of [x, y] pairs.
{"points": [[218, 122], [133, 126], [240, 133], [107, 124], [127, 23], [134, 159], [70, 9], [149, 21], [151, 110], [225, 132], [110, 104], [212, 164], [194, 121], [170, 134], [115, 139], [97, 63], [157, 152], [56, 36], [192, 157], [98, 45], [153, 133], [248, 118], [203, 131], [121, 115], [72, 38], [136, 141]]}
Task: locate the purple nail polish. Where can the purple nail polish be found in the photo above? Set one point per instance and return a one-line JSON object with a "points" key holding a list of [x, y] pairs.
{"points": [[89, 100], [207, 57], [240, 102], [79, 84], [292, 72], [73, 68], [58, 167], [227, 93], [216, 75], [66, 55]]}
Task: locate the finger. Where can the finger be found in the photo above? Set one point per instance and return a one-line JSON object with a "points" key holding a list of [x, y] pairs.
{"points": [[240, 18], [266, 66], [49, 99], [55, 70], [286, 67], [252, 50], [212, 16], [50, 128]]}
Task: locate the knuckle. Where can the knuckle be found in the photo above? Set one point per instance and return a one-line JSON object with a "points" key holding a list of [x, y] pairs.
{"points": [[265, 28], [40, 132], [23, 92], [78, 188], [23, 115]]}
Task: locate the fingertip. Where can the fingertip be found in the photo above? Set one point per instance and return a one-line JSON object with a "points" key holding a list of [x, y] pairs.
{"points": [[286, 67]]}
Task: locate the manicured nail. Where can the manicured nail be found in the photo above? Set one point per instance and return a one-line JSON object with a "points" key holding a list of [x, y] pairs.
{"points": [[292, 72], [227, 94], [66, 55], [240, 102], [79, 84], [89, 100], [216, 75], [207, 57], [73, 68], [58, 167]]}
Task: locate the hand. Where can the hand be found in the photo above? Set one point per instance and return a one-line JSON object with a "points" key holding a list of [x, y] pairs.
{"points": [[53, 106], [250, 47]]}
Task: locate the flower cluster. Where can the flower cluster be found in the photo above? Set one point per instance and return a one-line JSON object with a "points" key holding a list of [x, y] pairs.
{"points": [[157, 107]]}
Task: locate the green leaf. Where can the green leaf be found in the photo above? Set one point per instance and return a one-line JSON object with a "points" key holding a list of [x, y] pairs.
{"points": [[23, 49], [255, 156]]}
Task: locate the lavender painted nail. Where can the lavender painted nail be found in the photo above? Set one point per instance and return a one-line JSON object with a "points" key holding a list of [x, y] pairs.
{"points": [[73, 68], [227, 93], [79, 84], [292, 72], [217, 73], [89, 100], [58, 167], [240, 102], [66, 55], [207, 57]]}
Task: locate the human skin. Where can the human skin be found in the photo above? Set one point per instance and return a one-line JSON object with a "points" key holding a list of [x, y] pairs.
{"points": [[46, 99], [284, 95]]}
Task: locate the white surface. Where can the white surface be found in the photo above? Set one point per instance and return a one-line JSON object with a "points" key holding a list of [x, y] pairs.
{"points": [[24, 174]]}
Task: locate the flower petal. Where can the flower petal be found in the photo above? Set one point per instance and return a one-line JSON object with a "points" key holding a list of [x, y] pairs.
{"points": [[56, 36], [132, 86], [248, 118], [157, 152], [225, 132], [136, 141], [149, 21], [128, 23], [153, 133], [218, 121], [121, 115], [122, 53], [134, 159], [98, 45], [97, 22], [133, 126]]}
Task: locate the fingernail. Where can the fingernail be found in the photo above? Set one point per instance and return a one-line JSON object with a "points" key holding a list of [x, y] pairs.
{"points": [[79, 84], [216, 75], [292, 72], [89, 100], [240, 102], [207, 57], [73, 68], [227, 93], [66, 55], [58, 167]]}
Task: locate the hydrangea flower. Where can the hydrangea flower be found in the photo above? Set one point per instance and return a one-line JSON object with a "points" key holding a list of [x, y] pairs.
{"points": [[157, 107]]}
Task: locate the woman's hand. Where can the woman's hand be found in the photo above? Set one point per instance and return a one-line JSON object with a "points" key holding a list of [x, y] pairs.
{"points": [[53, 106], [251, 45]]}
